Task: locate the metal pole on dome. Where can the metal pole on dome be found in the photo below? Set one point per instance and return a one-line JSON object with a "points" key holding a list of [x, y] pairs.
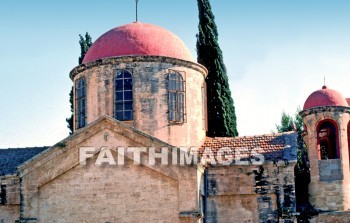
{"points": [[137, 1]]}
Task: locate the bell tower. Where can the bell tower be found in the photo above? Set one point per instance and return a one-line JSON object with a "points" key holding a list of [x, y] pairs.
{"points": [[326, 116]]}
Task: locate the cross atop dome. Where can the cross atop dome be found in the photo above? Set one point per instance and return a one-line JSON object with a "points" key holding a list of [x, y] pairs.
{"points": [[136, 1]]}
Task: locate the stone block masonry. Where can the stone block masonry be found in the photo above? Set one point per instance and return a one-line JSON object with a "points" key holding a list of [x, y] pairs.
{"points": [[251, 193]]}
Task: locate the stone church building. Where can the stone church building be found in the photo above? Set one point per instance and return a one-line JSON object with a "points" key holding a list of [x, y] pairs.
{"points": [[139, 151]]}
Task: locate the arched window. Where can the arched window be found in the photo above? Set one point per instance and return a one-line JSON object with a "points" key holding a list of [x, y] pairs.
{"points": [[80, 102], [327, 140], [123, 99], [176, 97]]}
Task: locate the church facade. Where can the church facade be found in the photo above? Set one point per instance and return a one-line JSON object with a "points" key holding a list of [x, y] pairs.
{"points": [[139, 151]]}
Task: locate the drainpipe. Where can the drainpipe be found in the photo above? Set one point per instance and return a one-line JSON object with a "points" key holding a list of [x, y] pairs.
{"points": [[205, 195]]}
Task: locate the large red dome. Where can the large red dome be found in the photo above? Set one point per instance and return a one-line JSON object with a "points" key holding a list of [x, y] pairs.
{"points": [[138, 39], [325, 97]]}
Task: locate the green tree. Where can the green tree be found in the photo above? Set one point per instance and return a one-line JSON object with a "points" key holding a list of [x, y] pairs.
{"points": [[291, 123], [295, 123], [301, 170], [70, 119], [85, 44], [287, 123], [221, 110]]}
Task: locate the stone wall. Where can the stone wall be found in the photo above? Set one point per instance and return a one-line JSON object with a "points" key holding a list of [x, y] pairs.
{"points": [[126, 193], [332, 217], [9, 212], [251, 193], [57, 188], [330, 170]]}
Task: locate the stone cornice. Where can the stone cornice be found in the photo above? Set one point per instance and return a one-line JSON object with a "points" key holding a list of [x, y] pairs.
{"points": [[315, 110], [130, 59]]}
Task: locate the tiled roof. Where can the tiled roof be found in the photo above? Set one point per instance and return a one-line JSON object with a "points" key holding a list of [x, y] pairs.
{"points": [[281, 146], [11, 158]]}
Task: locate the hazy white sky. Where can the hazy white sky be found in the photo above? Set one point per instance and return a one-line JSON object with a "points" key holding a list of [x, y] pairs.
{"points": [[276, 54]]}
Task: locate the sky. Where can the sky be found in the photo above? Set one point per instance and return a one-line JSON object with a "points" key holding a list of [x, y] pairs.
{"points": [[276, 54]]}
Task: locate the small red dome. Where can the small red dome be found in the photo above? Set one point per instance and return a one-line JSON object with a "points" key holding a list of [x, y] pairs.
{"points": [[138, 39], [325, 97]]}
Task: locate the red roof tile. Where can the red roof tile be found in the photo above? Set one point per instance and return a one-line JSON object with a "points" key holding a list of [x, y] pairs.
{"points": [[272, 146]]}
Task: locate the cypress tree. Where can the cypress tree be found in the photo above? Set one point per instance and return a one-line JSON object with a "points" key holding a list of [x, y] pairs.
{"points": [[85, 44], [70, 119], [221, 110]]}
